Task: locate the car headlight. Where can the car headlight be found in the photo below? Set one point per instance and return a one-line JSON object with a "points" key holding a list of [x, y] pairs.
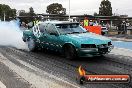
{"points": [[88, 46]]}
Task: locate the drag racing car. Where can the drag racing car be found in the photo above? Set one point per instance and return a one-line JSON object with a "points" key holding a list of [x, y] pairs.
{"points": [[66, 37]]}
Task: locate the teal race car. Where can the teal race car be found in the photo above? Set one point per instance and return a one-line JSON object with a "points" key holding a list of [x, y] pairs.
{"points": [[66, 37]]}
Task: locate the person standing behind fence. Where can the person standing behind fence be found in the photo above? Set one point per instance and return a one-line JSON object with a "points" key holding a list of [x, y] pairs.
{"points": [[35, 21], [86, 23]]}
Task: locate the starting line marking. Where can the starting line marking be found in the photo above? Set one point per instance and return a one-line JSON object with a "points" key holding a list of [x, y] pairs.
{"points": [[2, 85]]}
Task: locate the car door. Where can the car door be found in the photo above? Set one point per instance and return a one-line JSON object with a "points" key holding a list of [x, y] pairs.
{"points": [[36, 31], [42, 37], [37, 34], [53, 37]]}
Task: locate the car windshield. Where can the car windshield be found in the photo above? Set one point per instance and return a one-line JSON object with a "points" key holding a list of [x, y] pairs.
{"points": [[70, 28]]}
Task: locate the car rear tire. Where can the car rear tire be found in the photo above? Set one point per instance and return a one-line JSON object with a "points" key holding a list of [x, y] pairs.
{"points": [[70, 52], [31, 45]]}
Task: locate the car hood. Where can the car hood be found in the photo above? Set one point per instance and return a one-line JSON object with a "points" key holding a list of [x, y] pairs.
{"points": [[89, 38]]}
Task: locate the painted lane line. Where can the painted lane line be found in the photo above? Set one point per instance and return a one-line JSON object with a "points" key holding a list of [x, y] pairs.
{"points": [[2, 85]]}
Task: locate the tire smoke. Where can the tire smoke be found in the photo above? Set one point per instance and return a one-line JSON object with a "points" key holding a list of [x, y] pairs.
{"points": [[11, 35]]}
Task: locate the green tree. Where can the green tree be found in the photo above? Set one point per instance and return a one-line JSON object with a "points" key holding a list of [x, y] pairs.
{"points": [[95, 14], [31, 12], [23, 13], [105, 8], [6, 11], [12, 12], [56, 8]]}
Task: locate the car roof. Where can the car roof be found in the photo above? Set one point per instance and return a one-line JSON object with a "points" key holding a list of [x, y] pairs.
{"points": [[58, 22]]}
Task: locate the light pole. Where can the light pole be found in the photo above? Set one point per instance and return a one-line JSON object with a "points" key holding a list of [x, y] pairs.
{"points": [[4, 15], [69, 10]]}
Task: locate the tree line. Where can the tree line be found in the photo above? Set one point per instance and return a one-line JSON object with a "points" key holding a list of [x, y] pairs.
{"points": [[7, 12], [105, 9]]}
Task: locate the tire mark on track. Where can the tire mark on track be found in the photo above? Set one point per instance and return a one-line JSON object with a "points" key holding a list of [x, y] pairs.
{"points": [[58, 60]]}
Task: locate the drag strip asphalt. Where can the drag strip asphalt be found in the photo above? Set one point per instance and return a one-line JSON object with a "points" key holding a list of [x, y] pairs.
{"points": [[62, 72]]}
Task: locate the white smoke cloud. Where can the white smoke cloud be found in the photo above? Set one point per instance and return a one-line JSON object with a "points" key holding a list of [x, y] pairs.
{"points": [[11, 35]]}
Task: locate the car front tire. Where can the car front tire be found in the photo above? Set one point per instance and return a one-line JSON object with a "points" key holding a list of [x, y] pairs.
{"points": [[70, 52]]}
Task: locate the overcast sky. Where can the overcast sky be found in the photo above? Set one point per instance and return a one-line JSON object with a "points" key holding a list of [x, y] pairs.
{"points": [[77, 6]]}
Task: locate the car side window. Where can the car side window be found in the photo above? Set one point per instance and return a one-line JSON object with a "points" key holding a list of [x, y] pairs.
{"points": [[42, 28], [51, 29]]}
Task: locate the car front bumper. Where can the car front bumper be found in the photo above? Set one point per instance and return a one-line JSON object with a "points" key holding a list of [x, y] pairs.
{"points": [[91, 52]]}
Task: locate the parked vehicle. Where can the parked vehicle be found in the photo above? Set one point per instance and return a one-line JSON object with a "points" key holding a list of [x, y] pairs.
{"points": [[104, 30], [69, 38]]}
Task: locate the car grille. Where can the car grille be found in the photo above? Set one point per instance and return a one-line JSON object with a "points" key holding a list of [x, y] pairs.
{"points": [[88, 46]]}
